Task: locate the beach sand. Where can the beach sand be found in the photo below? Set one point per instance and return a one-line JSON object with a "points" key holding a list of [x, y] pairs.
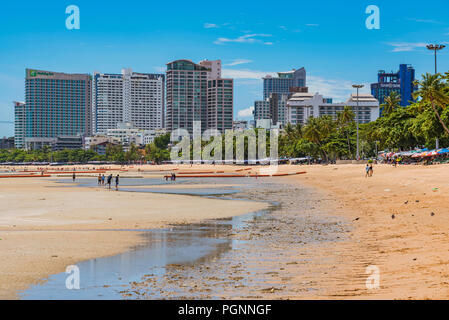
{"points": [[410, 250], [45, 227]]}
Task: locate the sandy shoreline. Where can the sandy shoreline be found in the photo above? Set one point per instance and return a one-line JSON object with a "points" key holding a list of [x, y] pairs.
{"points": [[410, 249], [43, 229]]}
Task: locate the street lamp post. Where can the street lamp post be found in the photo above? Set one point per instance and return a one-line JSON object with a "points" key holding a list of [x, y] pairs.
{"points": [[357, 86], [435, 48]]}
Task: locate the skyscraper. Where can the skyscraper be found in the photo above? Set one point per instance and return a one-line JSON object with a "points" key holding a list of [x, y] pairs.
{"points": [[262, 109], [196, 92], [400, 82], [57, 104], [186, 95], [284, 82], [130, 97], [19, 124], [215, 68], [220, 102]]}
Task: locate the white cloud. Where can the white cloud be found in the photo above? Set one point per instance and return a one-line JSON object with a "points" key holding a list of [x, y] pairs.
{"points": [[268, 43], [247, 38], [312, 24], [338, 89], [210, 25], [246, 113], [283, 27], [160, 69], [406, 46], [425, 21], [245, 74], [238, 61]]}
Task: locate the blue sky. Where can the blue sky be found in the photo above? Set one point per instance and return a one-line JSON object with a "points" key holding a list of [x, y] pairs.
{"points": [[252, 38]]}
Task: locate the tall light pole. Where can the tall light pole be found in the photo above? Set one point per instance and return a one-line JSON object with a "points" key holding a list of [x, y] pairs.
{"points": [[435, 48], [357, 86]]}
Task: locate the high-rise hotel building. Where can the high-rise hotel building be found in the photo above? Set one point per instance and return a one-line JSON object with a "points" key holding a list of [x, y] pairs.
{"points": [[186, 95], [285, 83], [401, 82], [220, 103], [129, 97], [57, 105], [196, 92], [19, 124]]}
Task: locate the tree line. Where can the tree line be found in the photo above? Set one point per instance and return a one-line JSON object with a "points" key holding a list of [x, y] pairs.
{"points": [[399, 128]]}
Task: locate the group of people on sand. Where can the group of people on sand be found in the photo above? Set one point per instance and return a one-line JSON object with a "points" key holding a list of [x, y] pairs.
{"points": [[368, 170], [102, 180], [172, 177]]}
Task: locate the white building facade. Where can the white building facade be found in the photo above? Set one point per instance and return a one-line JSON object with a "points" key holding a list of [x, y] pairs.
{"points": [[302, 106], [138, 98], [19, 124], [128, 134]]}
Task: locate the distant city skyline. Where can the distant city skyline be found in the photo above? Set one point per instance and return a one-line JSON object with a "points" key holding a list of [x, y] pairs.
{"points": [[329, 40]]}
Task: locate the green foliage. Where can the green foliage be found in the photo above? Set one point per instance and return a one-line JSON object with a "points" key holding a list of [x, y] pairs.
{"points": [[156, 154], [419, 124], [46, 155], [391, 103]]}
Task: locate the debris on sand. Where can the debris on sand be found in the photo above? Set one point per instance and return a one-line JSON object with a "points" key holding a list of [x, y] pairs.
{"points": [[270, 290]]}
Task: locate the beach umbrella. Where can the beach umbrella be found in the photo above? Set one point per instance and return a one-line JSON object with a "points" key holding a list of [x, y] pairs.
{"points": [[419, 155], [444, 150]]}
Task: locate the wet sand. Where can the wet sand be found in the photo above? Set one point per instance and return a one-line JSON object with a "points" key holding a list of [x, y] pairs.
{"points": [[263, 262], [45, 226], [331, 225]]}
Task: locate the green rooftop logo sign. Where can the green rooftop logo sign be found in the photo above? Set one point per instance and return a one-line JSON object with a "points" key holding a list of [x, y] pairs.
{"points": [[34, 73]]}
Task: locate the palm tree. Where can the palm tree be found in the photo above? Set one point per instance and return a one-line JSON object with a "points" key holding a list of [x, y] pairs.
{"points": [[391, 102], [344, 119], [293, 132], [318, 130], [431, 89]]}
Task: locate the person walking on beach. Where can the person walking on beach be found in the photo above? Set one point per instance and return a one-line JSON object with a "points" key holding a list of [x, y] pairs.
{"points": [[116, 182], [102, 180], [73, 177], [109, 180], [371, 170], [99, 179], [367, 171]]}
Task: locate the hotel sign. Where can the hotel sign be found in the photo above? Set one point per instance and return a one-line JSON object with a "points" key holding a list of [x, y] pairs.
{"points": [[35, 73]]}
